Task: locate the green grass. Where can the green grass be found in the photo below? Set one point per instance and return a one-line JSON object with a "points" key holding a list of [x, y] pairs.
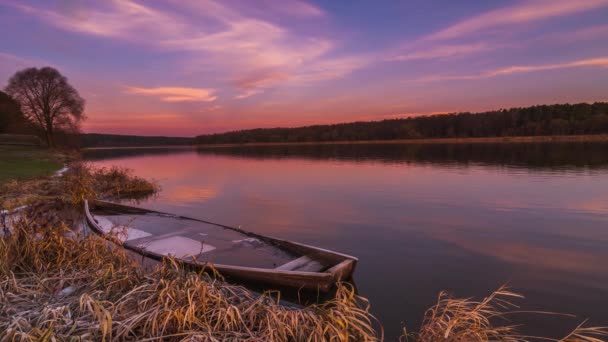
{"points": [[25, 162]]}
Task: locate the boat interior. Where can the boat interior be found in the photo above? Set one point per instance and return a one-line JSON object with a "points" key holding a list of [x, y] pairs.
{"points": [[190, 239]]}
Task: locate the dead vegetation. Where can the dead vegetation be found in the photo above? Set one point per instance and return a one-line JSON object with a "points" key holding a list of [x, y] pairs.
{"points": [[56, 285], [79, 182], [465, 319], [85, 182]]}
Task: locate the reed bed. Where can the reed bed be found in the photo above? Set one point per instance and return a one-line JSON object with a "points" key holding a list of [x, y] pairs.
{"points": [[467, 320]]}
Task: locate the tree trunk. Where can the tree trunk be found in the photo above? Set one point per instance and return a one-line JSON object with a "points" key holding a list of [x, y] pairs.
{"points": [[50, 139]]}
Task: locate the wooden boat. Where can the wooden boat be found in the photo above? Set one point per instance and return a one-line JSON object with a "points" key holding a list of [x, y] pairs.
{"points": [[235, 253]]}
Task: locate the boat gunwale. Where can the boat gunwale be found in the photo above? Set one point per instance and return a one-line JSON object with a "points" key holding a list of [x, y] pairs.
{"points": [[324, 279]]}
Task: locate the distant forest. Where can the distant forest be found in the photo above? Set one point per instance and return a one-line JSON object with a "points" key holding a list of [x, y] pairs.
{"points": [[558, 119]]}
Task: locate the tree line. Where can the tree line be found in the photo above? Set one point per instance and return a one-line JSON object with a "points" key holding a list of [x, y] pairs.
{"points": [[557, 119]]}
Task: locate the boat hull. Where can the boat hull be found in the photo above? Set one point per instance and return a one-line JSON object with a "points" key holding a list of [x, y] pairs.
{"points": [[341, 267]]}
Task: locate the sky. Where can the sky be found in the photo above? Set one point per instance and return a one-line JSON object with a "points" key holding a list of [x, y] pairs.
{"points": [[189, 67]]}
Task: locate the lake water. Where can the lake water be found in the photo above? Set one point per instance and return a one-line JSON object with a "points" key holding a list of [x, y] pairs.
{"points": [[420, 218]]}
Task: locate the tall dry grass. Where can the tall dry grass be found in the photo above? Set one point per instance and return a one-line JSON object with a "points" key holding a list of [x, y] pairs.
{"points": [[84, 181], [81, 181], [54, 285], [467, 320]]}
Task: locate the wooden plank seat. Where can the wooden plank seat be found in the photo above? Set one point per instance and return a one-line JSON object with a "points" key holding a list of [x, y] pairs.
{"points": [[302, 264]]}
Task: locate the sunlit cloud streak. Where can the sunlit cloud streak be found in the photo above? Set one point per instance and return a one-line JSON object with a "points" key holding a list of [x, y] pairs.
{"points": [[118, 18], [587, 33], [228, 65], [176, 94], [523, 12], [257, 81], [442, 51], [221, 39], [294, 8], [594, 62]]}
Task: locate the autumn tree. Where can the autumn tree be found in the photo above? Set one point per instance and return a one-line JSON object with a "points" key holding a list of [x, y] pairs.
{"points": [[47, 100]]}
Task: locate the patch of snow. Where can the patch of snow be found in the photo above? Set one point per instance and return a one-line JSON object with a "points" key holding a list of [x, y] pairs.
{"points": [[105, 224], [7, 212], [67, 291], [124, 233], [60, 172], [178, 246], [248, 242]]}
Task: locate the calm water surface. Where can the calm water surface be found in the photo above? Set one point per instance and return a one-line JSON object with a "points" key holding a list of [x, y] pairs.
{"points": [[421, 218]]}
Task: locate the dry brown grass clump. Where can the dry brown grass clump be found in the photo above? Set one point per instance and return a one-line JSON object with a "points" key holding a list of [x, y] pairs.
{"points": [[466, 320], [83, 181], [79, 182], [57, 286]]}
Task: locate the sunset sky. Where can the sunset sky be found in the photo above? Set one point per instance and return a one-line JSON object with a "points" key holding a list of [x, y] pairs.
{"points": [[187, 67]]}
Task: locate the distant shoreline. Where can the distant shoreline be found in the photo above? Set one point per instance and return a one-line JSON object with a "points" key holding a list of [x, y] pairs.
{"points": [[522, 139]]}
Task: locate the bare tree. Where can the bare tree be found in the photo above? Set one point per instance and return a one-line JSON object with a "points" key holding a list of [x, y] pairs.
{"points": [[48, 100]]}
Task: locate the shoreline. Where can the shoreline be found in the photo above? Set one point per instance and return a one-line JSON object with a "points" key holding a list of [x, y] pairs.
{"points": [[481, 140]]}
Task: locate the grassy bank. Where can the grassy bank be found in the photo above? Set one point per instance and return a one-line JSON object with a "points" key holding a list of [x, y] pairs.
{"points": [[79, 182], [58, 284], [485, 140], [24, 162]]}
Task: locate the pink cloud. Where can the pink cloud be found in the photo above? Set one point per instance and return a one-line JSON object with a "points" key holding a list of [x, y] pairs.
{"points": [[442, 51], [256, 81], [176, 94], [587, 33], [216, 37], [295, 8], [118, 18], [601, 62], [523, 12]]}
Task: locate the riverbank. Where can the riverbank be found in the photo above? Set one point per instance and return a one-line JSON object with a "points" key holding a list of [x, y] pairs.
{"points": [[26, 162], [56, 282], [485, 140]]}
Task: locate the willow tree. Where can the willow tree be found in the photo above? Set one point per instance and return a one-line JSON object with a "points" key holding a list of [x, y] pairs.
{"points": [[47, 100]]}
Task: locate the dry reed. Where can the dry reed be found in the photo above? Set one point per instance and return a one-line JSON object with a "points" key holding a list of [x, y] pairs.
{"points": [[467, 320]]}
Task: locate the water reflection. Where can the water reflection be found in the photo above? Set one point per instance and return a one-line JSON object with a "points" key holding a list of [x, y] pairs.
{"points": [[523, 155], [421, 218], [126, 152]]}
